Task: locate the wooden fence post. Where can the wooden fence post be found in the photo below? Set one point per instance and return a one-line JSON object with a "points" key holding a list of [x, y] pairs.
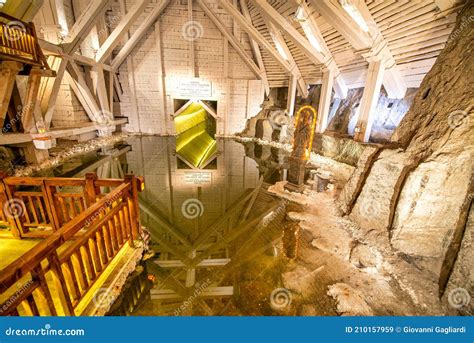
{"points": [[90, 190]]}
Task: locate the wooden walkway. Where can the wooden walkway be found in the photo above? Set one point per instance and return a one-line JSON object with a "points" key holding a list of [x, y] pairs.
{"points": [[64, 238]]}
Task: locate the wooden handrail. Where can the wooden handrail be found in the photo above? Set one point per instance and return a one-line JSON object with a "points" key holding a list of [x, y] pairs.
{"points": [[99, 232]]}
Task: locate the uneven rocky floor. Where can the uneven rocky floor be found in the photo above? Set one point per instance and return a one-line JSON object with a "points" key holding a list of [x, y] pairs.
{"points": [[336, 273]]}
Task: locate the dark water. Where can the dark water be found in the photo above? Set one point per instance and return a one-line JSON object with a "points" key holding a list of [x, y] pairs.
{"points": [[200, 262]]}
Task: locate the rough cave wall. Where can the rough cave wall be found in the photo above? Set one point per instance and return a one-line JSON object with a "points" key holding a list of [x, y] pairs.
{"points": [[417, 198], [343, 113]]}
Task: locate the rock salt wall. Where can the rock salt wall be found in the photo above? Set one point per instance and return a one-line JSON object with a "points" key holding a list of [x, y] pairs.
{"points": [[417, 198]]}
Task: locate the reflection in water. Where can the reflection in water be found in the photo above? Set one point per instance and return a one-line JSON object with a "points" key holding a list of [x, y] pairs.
{"points": [[214, 231], [195, 143]]}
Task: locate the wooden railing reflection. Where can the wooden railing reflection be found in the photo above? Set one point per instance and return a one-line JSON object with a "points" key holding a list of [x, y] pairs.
{"points": [[18, 42], [54, 276]]}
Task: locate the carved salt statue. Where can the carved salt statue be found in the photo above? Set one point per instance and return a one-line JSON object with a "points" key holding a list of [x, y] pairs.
{"points": [[305, 124]]}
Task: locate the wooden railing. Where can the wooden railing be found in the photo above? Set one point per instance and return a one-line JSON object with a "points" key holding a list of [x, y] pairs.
{"points": [[54, 276], [37, 207], [18, 42]]}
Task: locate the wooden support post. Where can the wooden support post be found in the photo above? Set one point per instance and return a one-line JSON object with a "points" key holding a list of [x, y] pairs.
{"points": [[8, 71], [290, 104], [90, 189], [161, 78], [50, 106], [33, 155], [369, 101], [134, 206], [32, 119], [325, 100], [135, 114]]}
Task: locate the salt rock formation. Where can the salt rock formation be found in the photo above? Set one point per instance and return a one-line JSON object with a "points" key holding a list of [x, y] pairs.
{"points": [[416, 199]]}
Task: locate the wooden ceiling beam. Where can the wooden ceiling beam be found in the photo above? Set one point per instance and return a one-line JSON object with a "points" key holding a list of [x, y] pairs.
{"points": [[279, 40], [138, 34], [255, 34], [333, 13], [257, 54], [279, 21], [311, 28], [124, 24], [232, 40], [84, 24], [371, 45]]}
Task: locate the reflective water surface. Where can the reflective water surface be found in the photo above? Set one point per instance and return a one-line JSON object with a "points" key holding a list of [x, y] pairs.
{"points": [[215, 231]]}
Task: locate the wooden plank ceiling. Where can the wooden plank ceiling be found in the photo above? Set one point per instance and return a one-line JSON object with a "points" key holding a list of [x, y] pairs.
{"points": [[415, 30]]}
